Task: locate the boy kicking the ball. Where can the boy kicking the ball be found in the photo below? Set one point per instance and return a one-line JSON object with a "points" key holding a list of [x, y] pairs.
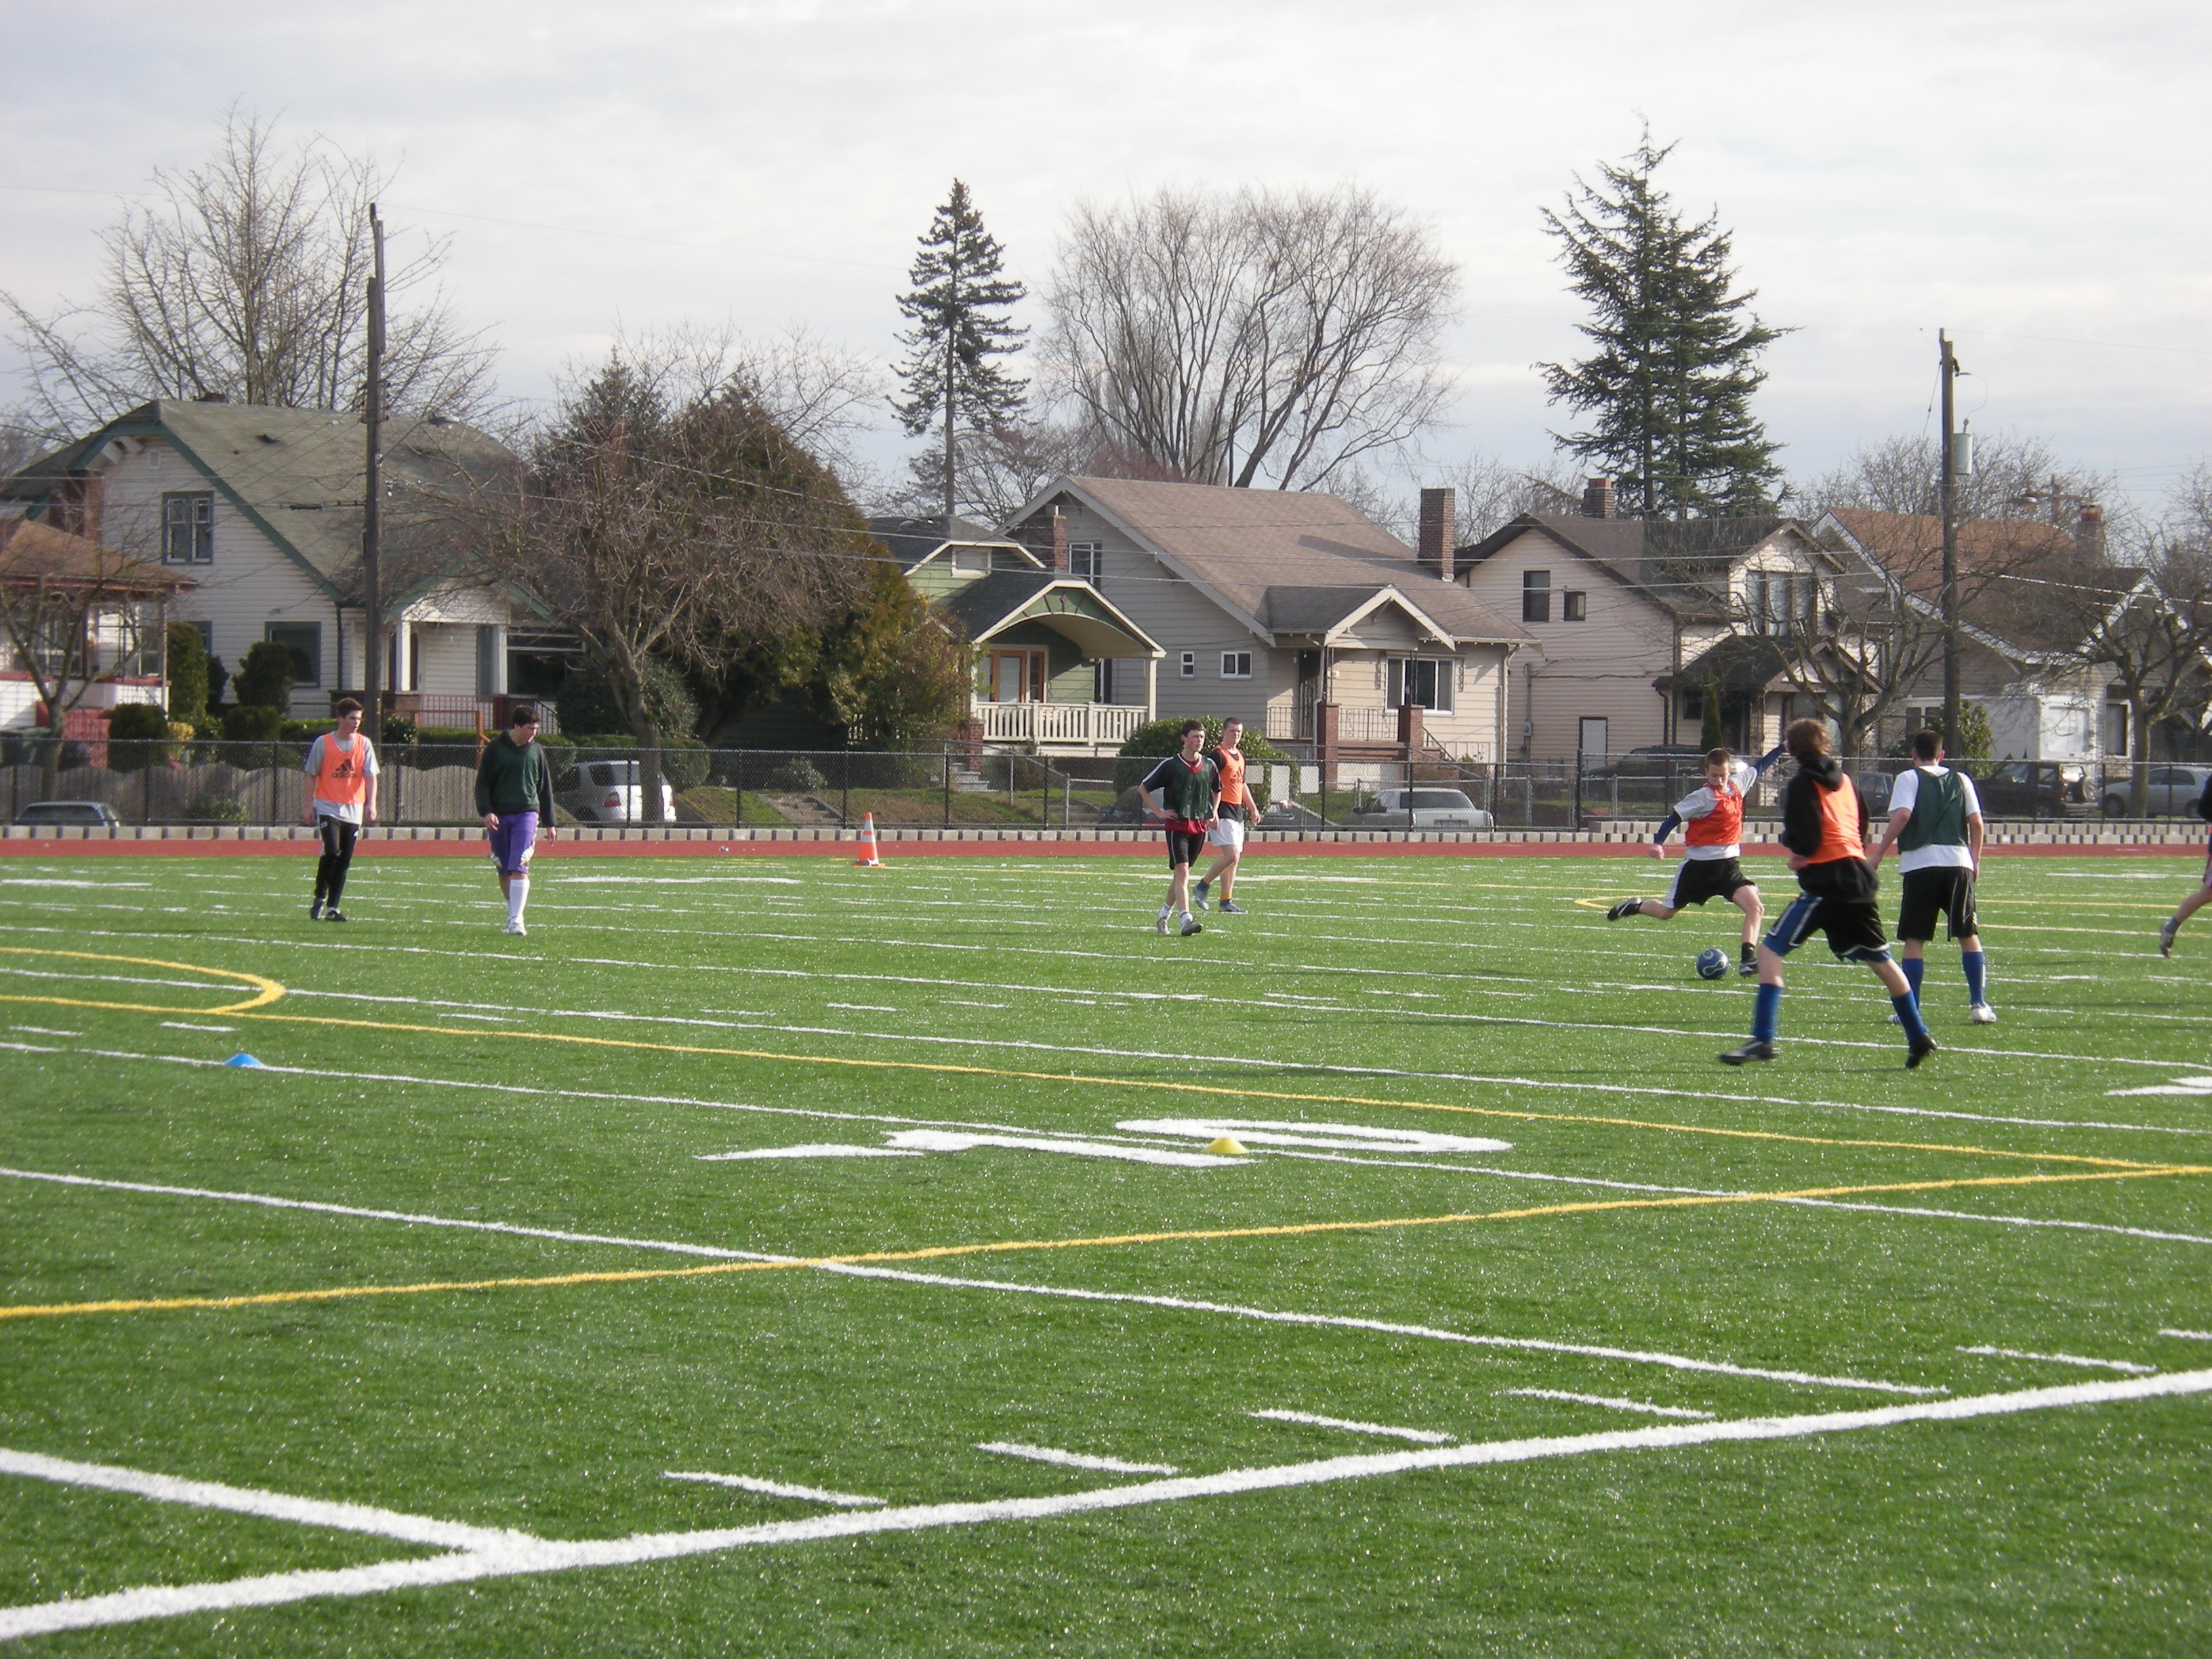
{"points": [[1713, 821], [1823, 827]]}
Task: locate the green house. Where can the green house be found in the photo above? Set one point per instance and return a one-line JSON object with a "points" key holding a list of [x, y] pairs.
{"points": [[1042, 633]]}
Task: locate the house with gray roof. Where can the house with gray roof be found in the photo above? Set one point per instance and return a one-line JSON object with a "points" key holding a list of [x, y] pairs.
{"points": [[1288, 609], [262, 507], [1636, 622]]}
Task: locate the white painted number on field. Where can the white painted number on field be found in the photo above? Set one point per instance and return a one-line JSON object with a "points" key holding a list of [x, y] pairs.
{"points": [[1335, 1137]]}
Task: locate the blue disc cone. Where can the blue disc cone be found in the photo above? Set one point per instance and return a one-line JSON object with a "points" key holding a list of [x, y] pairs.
{"points": [[242, 1059]]}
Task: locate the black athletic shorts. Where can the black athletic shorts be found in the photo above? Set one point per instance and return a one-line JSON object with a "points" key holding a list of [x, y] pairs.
{"points": [[1699, 879], [1945, 891], [1185, 847], [1853, 926]]}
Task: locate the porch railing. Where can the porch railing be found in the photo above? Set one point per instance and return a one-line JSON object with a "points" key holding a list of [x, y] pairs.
{"points": [[1094, 723]]}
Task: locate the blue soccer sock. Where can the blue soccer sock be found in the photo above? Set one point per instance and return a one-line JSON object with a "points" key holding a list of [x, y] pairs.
{"points": [[1977, 965], [1908, 1015], [1914, 968], [1766, 1013]]}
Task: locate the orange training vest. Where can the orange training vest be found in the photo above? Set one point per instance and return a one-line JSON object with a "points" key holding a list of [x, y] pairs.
{"points": [[1724, 825], [1840, 824], [342, 779], [1230, 764]]}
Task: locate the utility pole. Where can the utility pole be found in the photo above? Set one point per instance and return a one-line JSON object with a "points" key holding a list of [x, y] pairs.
{"points": [[1947, 495], [372, 516]]}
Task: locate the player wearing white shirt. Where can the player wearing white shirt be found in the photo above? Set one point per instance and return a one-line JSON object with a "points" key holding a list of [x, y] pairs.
{"points": [[1713, 821], [1936, 823]]}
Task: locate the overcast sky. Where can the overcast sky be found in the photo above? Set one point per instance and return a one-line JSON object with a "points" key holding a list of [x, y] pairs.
{"points": [[2029, 175]]}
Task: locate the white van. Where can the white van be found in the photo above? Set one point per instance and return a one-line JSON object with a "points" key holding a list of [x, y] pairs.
{"points": [[609, 792]]}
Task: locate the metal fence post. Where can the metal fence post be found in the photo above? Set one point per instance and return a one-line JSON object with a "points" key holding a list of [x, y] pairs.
{"points": [[947, 758]]}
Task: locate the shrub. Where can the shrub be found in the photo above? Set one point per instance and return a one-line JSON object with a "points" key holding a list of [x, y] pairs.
{"points": [[304, 731], [800, 777], [139, 735], [586, 701], [137, 719], [217, 809], [264, 678], [397, 728], [685, 763], [188, 672], [254, 723], [1156, 738]]}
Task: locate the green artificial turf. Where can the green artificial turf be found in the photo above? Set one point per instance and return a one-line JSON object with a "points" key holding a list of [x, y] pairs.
{"points": [[1032, 999]]}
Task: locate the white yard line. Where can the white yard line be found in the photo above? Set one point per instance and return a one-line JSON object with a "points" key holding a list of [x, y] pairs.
{"points": [[180, 1025], [2193, 1336], [843, 1500], [1072, 1459], [1421, 1436], [525, 1556], [1610, 1402], [813, 1149], [2123, 1365], [248, 1500]]}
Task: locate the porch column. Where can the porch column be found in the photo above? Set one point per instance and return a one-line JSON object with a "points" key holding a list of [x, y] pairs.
{"points": [[403, 656], [1152, 690]]}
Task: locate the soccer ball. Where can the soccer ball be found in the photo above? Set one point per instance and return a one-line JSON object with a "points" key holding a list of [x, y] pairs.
{"points": [[1712, 962]]}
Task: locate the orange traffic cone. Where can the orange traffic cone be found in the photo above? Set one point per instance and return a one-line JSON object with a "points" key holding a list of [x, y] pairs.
{"points": [[874, 859]]}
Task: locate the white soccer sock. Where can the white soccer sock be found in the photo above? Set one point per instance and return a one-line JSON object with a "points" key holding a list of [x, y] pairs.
{"points": [[517, 895]]}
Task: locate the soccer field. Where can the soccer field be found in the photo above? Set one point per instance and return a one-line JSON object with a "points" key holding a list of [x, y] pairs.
{"points": [[766, 1256]]}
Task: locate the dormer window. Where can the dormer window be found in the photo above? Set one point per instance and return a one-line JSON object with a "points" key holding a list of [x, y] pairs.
{"points": [[969, 560]]}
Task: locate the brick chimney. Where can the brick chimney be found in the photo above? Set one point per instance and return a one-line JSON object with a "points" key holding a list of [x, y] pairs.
{"points": [[1439, 509], [1045, 534], [2089, 530], [1598, 500]]}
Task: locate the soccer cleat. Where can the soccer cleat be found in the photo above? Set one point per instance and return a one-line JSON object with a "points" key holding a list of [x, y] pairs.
{"points": [[1753, 1049], [1161, 926], [1198, 895], [515, 928], [315, 911], [1982, 1014], [1231, 908], [1624, 908], [1897, 1019], [1192, 925], [2165, 933], [1920, 1049], [335, 915], [1748, 968]]}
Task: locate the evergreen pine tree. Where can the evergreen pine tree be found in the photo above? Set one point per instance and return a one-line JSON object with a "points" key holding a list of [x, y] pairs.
{"points": [[1669, 386], [957, 306]]}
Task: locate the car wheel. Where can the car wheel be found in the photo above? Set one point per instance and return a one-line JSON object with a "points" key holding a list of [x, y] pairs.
{"points": [[2045, 809], [2115, 807]]}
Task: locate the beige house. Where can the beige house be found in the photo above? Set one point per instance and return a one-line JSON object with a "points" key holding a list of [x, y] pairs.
{"points": [[261, 507], [1636, 622], [1290, 609]]}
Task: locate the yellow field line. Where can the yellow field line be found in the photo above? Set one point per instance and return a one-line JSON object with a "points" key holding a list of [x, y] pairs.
{"points": [[272, 990], [268, 990], [939, 1252]]}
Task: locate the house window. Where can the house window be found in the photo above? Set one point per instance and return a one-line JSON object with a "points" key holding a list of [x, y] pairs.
{"points": [[305, 642], [1777, 601], [1189, 665], [188, 529], [1086, 560], [1574, 605], [1536, 596], [969, 560], [1236, 665], [1423, 682], [1016, 677]]}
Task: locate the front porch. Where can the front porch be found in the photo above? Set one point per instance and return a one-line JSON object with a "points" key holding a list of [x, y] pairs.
{"points": [[1056, 728]]}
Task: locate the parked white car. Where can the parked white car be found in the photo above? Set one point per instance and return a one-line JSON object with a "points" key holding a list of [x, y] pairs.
{"points": [[609, 792], [1419, 809]]}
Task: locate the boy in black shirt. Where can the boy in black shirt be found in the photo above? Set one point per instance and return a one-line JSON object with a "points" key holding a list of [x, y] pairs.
{"points": [[1184, 792]]}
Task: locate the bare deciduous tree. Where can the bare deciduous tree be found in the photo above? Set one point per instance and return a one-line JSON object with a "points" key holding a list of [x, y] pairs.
{"points": [[663, 510], [248, 278], [1251, 339], [2014, 477]]}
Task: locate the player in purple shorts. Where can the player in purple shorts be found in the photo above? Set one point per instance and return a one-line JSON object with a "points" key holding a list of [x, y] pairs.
{"points": [[515, 794]]}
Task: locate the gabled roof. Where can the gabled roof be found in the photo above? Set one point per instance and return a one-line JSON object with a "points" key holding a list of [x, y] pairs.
{"points": [[1685, 565], [2028, 588], [1243, 548], [298, 475], [1068, 604], [914, 541]]}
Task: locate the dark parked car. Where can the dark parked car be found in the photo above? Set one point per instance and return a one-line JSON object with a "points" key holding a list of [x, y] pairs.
{"points": [[68, 811], [2035, 789]]}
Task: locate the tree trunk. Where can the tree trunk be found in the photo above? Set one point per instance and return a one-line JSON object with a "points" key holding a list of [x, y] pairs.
{"points": [[2139, 751], [628, 679]]}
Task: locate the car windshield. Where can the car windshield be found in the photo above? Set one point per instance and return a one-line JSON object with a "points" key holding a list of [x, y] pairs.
{"points": [[1442, 801]]}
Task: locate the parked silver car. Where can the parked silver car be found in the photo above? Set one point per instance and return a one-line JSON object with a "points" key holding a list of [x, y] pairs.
{"points": [[97, 812], [2174, 790], [610, 792], [1419, 809]]}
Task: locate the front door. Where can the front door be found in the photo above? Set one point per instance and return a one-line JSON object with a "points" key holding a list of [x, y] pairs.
{"points": [[1017, 676]]}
